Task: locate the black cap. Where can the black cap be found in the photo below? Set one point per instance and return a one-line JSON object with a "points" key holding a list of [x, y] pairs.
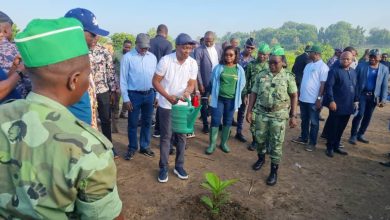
{"points": [[250, 42], [5, 18], [374, 52]]}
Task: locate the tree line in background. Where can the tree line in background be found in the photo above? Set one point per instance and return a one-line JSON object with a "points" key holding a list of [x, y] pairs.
{"points": [[292, 36]]}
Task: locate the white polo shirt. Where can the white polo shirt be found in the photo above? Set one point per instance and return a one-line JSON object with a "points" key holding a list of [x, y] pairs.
{"points": [[175, 76], [313, 75]]}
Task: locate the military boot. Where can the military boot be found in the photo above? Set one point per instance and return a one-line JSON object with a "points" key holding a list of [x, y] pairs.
{"points": [[253, 145], [273, 176], [259, 163], [224, 138], [213, 135]]}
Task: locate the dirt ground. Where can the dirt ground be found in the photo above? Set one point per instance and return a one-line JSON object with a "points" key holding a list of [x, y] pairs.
{"points": [[310, 185]]}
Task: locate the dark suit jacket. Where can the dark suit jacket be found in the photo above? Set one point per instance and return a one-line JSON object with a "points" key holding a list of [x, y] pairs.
{"points": [[299, 65], [381, 80], [204, 63], [160, 47]]}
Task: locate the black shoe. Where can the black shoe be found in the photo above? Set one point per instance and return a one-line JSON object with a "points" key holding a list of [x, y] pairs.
{"points": [[147, 152], [323, 136], [234, 123], [172, 151], [341, 152], [123, 115], [273, 176], [205, 129], [385, 164], [252, 146], [240, 137], [363, 139], [388, 154], [129, 155], [259, 163], [329, 153], [321, 118]]}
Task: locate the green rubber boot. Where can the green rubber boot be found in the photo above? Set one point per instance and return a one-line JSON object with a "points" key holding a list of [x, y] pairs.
{"points": [[224, 138], [213, 135]]}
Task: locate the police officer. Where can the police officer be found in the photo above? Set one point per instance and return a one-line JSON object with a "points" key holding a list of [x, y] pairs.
{"points": [[252, 70], [273, 101], [52, 165]]}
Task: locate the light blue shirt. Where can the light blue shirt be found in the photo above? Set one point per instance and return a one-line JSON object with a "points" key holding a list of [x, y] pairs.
{"points": [[215, 80], [136, 72]]}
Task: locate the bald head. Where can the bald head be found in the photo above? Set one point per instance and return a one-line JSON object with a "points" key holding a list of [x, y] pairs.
{"points": [[346, 59]]}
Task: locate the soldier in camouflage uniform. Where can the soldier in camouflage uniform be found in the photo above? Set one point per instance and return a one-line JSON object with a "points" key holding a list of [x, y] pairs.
{"points": [[252, 70], [273, 101], [52, 165]]}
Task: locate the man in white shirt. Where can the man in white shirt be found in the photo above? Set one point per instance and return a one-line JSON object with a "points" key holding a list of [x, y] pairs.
{"points": [[310, 98], [207, 57], [174, 80]]}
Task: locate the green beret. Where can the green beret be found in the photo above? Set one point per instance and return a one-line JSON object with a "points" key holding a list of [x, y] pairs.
{"points": [[49, 41], [277, 50], [264, 48]]}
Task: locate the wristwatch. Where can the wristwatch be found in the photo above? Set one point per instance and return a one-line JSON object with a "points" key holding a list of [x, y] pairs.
{"points": [[319, 98]]}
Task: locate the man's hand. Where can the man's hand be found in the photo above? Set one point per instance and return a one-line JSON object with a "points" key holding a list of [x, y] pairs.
{"points": [[128, 106], [318, 104], [292, 122], [333, 106], [172, 99], [249, 117], [155, 104]]}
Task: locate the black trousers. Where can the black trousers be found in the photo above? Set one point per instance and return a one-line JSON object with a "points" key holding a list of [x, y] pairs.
{"points": [[336, 124], [104, 110]]}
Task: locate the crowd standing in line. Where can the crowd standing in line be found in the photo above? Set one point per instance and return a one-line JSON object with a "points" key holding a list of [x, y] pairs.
{"points": [[51, 102]]}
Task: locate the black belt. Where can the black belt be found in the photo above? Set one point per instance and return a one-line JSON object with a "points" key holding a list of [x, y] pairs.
{"points": [[273, 109], [147, 92]]}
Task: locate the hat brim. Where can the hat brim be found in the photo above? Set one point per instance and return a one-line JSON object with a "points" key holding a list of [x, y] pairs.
{"points": [[189, 42], [99, 32]]}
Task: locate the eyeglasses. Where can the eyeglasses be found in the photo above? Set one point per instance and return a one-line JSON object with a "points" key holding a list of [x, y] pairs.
{"points": [[273, 62], [229, 55]]}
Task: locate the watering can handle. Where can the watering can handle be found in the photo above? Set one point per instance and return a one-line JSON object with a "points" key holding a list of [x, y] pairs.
{"points": [[186, 100]]}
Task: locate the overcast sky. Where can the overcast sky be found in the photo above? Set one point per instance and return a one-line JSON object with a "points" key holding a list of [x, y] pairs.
{"points": [[196, 17]]}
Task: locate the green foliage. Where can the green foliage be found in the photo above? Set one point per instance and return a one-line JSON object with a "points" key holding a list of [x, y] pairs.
{"points": [[379, 37], [152, 32], [217, 187], [15, 30], [118, 39], [103, 40]]}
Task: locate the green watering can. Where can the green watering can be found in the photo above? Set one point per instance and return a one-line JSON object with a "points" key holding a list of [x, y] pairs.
{"points": [[184, 117]]}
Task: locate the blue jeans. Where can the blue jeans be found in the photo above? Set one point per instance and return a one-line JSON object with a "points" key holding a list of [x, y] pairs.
{"points": [[309, 116], [225, 108], [142, 104], [366, 108]]}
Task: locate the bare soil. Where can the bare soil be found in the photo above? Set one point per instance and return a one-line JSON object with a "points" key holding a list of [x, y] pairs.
{"points": [[310, 185]]}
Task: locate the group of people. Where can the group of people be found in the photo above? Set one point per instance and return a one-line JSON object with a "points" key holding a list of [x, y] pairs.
{"points": [[345, 85], [55, 163]]}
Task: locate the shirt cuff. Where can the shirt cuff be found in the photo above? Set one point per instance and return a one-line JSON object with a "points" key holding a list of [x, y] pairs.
{"points": [[108, 207]]}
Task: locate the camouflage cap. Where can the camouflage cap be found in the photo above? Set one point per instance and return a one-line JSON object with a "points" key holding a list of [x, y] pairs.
{"points": [[277, 50], [49, 41]]}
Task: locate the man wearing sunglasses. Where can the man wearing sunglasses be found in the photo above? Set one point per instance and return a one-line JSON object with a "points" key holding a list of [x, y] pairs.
{"points": [[102, 70], [273, 101]]}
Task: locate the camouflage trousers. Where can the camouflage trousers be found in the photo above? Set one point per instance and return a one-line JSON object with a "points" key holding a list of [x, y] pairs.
{"points": [[269, 132]]}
